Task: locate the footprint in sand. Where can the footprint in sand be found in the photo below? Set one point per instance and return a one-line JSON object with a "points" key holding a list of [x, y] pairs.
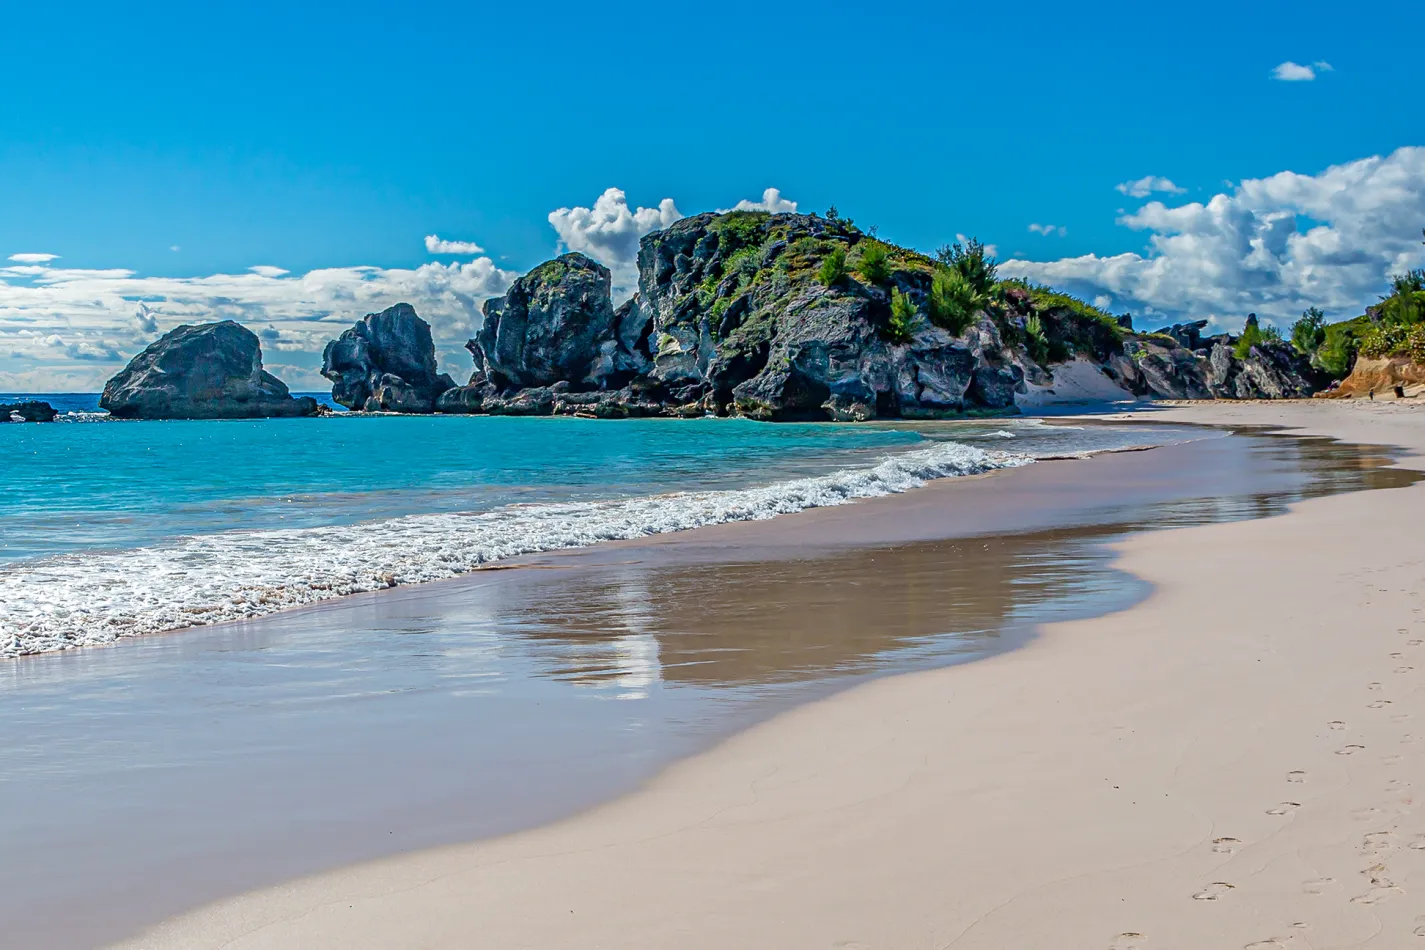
{"points": [[1271, 943], [1417, 843], [1127, 941], [1404, 669], [1377, 842], [1396, 784], [1336, 725], [1392, 759], [1285, 808], [1376, 894], [1213, 891], [1414, 643], [1400, 717], [1296, 777], [1378, 704], [1373, 686], [1397, 656], [1367, 814], [1317, 885], [1419, 930], [1226, 845], [1376, 875], [1351, 749]]}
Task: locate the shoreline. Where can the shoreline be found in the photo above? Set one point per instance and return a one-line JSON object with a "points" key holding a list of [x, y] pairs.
{"points": [[601, 523], [844, 784]]}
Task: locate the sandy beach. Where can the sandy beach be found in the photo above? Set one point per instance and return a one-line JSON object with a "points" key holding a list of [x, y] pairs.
{"points": [[1234, 762]]}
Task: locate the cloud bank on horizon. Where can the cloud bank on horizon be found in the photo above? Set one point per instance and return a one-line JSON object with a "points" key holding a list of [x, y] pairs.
{"points": [[1272, 245]]}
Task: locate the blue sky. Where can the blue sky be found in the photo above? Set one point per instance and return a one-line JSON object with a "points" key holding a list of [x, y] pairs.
{"points": [[333, 136]]}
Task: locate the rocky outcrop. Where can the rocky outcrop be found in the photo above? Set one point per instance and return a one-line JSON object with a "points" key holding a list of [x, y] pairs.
{"points": [[1271, 370], [1186, 334], [31, 410], [556, 324], [738, 313], [209, 371], [386, 363], [1384, 378]]}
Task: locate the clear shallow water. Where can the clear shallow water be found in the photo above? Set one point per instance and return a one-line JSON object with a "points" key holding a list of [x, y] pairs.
{"points": [[124, 528], [142, 779]]}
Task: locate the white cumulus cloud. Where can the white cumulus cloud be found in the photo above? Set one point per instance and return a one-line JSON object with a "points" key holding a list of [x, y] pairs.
{"points": [[609, 231], [437, 245], [1048, 229], [1147, 185], [1274, 246], [33, 258], [1294, 72], [267, 270], [772, 201]]}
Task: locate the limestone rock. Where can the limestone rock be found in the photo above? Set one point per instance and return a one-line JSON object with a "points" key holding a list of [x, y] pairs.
{"points": [[208, 371], [386, 363], [1384, 378], [556, 324]]}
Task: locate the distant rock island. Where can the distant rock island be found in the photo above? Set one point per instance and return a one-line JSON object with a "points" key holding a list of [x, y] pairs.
{"points": [[208, 371], [30, 410], [780, 317]]}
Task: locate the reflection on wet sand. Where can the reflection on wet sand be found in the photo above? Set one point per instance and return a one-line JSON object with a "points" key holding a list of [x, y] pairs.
{"points": [[731, 623], [739, 624]]}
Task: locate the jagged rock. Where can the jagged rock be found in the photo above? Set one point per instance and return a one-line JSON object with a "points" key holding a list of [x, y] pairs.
{"points": [[1272, 370], [556, 324], [209, 371], [1188, 334], [31, 410], [385, 363]]}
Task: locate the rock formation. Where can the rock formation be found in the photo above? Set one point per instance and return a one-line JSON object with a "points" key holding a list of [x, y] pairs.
{"points": [[734, 315], [1383, 378], [209, 371], [31, 410], [385, 363], [1271, 370]]}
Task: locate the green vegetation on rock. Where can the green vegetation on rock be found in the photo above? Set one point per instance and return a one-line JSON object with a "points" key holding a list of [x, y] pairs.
{"points": [[874, 264], [953, 300], [1309, 332], [901, 328], [974, 262], [833, 267]]}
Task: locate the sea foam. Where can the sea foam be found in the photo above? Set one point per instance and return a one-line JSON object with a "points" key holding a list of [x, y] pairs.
{"points": [[73, 600]]}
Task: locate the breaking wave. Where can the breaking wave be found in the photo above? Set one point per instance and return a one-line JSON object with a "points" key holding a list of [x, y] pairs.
{"points": [[74, 600]]}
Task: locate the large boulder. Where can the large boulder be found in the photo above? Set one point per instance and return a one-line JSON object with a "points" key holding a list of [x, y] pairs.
{"points": [[209, 371], [556, 324], [386, 363]]}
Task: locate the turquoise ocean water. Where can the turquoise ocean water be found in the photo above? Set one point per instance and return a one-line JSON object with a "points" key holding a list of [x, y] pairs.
{"points": [[120, 528]]}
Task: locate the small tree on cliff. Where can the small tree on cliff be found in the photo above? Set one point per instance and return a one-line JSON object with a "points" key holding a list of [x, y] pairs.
{"points": [[833, 267], [974, 262], [1308, 333]]}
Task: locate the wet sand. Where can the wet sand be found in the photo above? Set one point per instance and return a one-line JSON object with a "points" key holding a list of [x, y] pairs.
{"points": [[1232, 762]]}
